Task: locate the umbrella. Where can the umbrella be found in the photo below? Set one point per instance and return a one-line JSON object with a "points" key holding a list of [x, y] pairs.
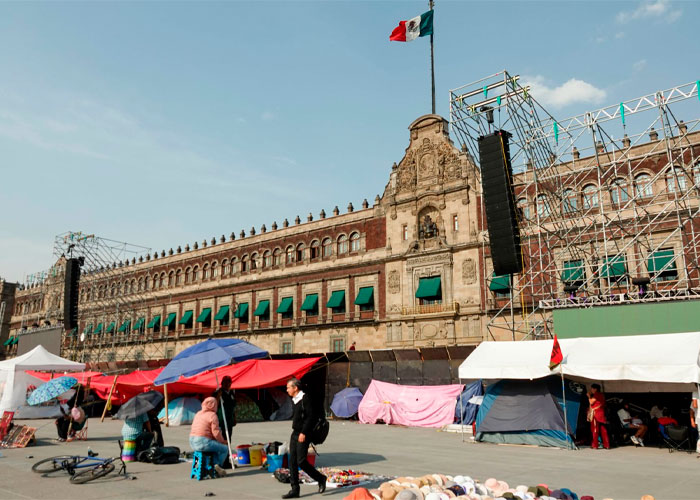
{"points": [[207, 355], [346, 402], [50, 390], [139, 404]]}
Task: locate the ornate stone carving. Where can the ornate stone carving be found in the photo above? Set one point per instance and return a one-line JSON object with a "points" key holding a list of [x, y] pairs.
{"points": [[450, 164], [469, 271], [427, 228], [394, 282], [438, 258], [429, 331]]}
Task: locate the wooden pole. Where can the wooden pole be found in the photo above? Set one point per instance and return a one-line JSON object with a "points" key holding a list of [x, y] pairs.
{"points": [[109, 398], [165, 392]]}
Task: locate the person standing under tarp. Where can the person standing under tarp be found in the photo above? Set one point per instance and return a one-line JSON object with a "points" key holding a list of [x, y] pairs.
{"points": [[596, 416], [227, 404]]}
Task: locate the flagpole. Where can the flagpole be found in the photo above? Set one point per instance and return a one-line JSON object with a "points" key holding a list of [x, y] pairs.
{"points": [[432, 60], [563, 395]]}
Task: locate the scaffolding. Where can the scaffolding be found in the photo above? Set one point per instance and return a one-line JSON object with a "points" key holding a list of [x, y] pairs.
{"points": [[112, 299], [608, 201]]}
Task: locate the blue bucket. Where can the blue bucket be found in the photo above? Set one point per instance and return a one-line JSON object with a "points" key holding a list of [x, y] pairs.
{"points": [[274, 462], [243, 454]]}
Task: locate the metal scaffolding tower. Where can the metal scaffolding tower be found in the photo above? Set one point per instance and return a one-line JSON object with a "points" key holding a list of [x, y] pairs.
{"points": [[608, 200]]}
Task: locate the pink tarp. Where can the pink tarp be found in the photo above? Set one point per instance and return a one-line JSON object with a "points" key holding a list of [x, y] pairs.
{"points": [[411, 405]]}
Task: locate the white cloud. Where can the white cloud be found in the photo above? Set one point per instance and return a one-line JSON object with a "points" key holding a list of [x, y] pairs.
{"points": [[571, 92], [651, 9], [619, 35], [268, 116], [640, 65]]}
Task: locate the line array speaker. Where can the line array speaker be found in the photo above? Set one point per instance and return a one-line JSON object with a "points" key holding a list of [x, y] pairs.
{"points": [[70, 294], [499, 200]]}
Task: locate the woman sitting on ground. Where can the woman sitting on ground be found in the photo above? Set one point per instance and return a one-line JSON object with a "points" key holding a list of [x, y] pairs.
{"points": [[205, 434]]}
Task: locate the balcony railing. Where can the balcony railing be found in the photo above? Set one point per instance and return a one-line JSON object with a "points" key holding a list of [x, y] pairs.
{"points": [[430, 309]]}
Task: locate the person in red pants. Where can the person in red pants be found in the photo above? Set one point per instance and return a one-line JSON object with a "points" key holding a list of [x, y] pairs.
{"points": [[596, 416]]}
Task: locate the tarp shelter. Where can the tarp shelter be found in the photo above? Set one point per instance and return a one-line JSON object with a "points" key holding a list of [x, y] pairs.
{"points": [[81, 376], [416, 406], [181, 411], [465, 412], [16, 383], [529, 412], [638, 363]]}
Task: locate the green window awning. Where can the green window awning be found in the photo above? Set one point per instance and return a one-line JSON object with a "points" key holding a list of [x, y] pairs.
{"points": [[660, 259], [337, 299], [428, 288], [186, 318], [170, 320], [285, 305], [9, 341], [204, 315], [73, 332], [241, 311], [155, 321], [222, 314], [98, 330], [139, 323], [15, 340], [364, 296], [124, 326], [110, 328], [263, 308], [574, 270], [500, 283], [88, 329], [613, 266], [310, 302]]}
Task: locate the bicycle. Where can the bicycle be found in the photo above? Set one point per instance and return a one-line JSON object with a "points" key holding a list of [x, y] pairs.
{"points": [[92, 466]]}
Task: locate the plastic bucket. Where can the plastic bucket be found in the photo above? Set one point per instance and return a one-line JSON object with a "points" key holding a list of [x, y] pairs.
{"points": [[243, 454], [256, 455], [275, 462]]}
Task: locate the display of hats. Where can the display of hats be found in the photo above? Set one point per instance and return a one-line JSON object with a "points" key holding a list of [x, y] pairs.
{"points": [[410, 494]]}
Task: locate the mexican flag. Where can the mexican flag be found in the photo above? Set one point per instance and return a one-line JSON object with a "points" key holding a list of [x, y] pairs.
{"points": [[556, 357], [407, 31]]}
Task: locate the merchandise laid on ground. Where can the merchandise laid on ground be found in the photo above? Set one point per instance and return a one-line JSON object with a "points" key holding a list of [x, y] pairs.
{"points": [[337, 477]]}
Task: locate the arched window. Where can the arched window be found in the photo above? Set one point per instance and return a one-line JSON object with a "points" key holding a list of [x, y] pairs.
{"points": [[696, 174], [244, 264], [188, 275], [205, 272], [642, 186], [140, 288], [178, 277], [214, 270], [355, 242], [618, 191], [171, 279], [234, 265], [327, 247], [315, 250], [161, 282], [254, 261], [289, 255], [301, 249], [133, 286], [267, 259], [590, 196], [195, 274], [277, 257], [542, 206], [569, 201], [524, 208], [225, 268], [675, 180], [342, 244], [155, 282]]}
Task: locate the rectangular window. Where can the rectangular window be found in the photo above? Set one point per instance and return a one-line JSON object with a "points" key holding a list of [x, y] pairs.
{"points": [[337, 302], [455, 223], [286, 347], [223, 316], [404, 232], [242, 312], [310, 305], [365, 298], [429, 291], [338, 345], [263, 310], [286, 308]]}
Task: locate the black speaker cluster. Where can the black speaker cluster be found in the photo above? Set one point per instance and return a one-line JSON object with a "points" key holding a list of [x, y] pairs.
{"points": [[499, 200], [70, 294]]}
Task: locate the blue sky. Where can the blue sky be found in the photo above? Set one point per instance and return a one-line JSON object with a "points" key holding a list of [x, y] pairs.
{"points": [[164, 123]]}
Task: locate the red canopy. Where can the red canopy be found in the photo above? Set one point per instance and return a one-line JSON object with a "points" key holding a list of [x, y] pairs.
{"points": [[82, 376]]}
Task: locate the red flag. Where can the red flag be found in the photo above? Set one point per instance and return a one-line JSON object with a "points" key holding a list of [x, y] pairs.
{"points": [[556, 357]]}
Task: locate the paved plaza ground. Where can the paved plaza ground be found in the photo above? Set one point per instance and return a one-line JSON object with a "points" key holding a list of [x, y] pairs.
{"points": [[621, 474]]}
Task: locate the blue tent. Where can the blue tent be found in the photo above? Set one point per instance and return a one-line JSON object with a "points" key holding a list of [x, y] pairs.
{"points": [[529, 412], [468, 410]]}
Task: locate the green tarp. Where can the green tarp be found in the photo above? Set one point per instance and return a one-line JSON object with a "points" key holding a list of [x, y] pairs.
{"points": [[659, 259], [499, 283], [614, 266], [573, 271]]}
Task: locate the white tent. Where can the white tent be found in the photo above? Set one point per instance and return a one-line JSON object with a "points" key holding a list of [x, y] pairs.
{"points": [[14, 381], [639, 363]]}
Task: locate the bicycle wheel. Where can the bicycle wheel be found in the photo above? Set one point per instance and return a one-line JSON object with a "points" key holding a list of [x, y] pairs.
{"points": [[92, 473], [54, 464]]}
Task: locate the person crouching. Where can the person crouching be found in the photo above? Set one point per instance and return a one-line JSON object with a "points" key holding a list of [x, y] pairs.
{"points": [[205, 434]]}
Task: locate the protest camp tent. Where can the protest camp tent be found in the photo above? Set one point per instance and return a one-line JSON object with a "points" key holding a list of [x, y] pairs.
{"points": [[465, 412], [181, 411], [16, 384]]}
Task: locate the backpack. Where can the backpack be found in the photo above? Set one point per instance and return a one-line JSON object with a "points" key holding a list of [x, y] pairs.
{"points": [[160, 455], [320, 432]]}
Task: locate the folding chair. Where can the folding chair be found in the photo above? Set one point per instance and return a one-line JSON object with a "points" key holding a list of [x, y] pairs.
{"points": [[676, 437], [81, 431]]}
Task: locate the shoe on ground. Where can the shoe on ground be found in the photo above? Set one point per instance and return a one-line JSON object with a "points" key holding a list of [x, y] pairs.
{"points": [[322, 486], [291, 494], [641, 442], [634, 439], [220, 472]]}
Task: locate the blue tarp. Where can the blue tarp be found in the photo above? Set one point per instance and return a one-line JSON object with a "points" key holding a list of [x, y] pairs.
{"points": [[468, 410]]}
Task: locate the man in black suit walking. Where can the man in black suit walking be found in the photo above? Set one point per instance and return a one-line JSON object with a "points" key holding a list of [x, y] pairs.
{"points": [[304, 420]]}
